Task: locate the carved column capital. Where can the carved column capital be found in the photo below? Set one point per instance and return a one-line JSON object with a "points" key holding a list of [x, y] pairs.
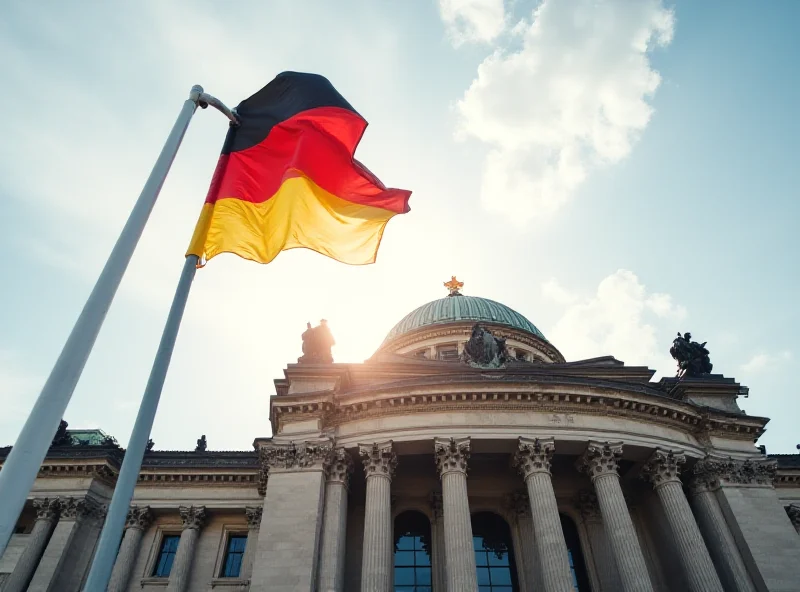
{"points": [[753, 472], [71, 508], [253, 514], [793, 511], [139, 517], [296, 456], [708, 472], [588, 505], [451, 454], [600, 459], [519, 503], [47, 508], [340, 466], [533, 456], [193, 517], [378, 459], [663, 467], [435, 500]]}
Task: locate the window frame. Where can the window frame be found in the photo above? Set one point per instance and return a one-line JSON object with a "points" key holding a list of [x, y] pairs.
{"points": [[230, 535], [229, 530], [150, 573]]}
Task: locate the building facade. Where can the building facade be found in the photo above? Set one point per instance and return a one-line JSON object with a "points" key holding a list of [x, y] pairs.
{"points": [[465, 455]]}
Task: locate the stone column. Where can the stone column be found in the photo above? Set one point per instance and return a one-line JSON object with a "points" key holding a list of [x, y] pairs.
{"points": [[139, 520], [793, 511], [377, 560], [600, 461], [334, 526], [451, 456], [520, 504], [193, 518], [605, 570], [438, 560], [662, 471], [253, 514], [720, 541], [533, 462], [46, 516]]}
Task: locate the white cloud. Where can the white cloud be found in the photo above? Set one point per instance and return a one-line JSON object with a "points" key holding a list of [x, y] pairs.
{"points": [[764, 361], [621, 319], [472, 20], [573, 98]]}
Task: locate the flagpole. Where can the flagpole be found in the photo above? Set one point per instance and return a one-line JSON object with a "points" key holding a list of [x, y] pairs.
{"points": [[108, 545], [22, 465]]}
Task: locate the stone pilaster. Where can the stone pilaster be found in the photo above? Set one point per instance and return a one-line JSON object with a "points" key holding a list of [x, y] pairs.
{"points": [[139, 519], [376, 564], [661, 470], [533, 462], [194, 518], [451, 456], [334, 527], [47, 510], [718, 537], [528, 557], [438, 559], [601, 462], [793, 511], [605, 569], [253, 514]]}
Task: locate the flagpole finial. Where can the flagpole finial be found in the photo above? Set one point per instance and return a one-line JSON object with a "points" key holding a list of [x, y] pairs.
{"points": [[454, 286]]}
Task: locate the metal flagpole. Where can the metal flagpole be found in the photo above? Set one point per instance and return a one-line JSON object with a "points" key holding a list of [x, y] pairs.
{"points": [[108, 545], [22, 465]]}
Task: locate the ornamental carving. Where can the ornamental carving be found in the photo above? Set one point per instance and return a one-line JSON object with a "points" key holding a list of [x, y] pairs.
{"points": [[533, 456], [378, 459], [600, 459], [451, 454], [340, 466], [750, 472], [664, 466], [71, 508], [519, 503], [139, 517], [253, 516], [588, 505], [295, 456], [47, 508], [193, 517], [713, 471], [436, 502]]}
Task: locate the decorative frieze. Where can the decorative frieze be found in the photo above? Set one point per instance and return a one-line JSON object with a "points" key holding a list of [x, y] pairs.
{"points": [[340, 466], [139, 517], [451, 454], [47, 508], [71, 508], [193, 517], [600, 459], [253, 514], [714, 471], [378, 458], [293, 456], [533, 456], [663, 466]]}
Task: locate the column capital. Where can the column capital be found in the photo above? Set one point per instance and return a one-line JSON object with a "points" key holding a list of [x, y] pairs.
{"points": [[47, 508], [663, 466], [588, 506], [533, 455], [378, 459], [437, 509], [340, 466], [519, 503], [291, 456], [193, 517], [139, 517], [79, 508], [793, 511], [600, 459], [253, 514], [451, 455]]}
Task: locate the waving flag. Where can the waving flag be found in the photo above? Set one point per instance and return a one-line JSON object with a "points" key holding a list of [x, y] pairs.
{"points": [[287, 178]]}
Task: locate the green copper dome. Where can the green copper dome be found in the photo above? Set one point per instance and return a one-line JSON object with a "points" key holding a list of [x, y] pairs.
{"points": [[457, 308]]}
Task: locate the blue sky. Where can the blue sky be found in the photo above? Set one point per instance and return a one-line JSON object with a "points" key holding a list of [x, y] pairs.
{"points": [[615, 174]]}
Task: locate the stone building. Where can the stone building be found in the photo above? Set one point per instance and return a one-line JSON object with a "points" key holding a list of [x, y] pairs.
{"points": [[465, 455]]}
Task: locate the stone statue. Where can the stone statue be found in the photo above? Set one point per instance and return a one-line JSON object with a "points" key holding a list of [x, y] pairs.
{"points": [[62, 438], [484, 350], [317, 344], [150, 445], [692, 357], [201, 444]]}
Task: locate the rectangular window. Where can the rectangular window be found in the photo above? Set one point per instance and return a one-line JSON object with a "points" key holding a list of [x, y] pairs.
{"points": [[448, 353], [169, 546], [234, 552]]}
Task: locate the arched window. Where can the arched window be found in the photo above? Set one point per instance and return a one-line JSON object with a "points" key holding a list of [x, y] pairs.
{"points": [[412, 553], [580, 580], [494, 553]]}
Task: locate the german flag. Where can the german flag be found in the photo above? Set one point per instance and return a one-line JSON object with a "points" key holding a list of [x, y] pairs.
{"points": [[287, 178]]}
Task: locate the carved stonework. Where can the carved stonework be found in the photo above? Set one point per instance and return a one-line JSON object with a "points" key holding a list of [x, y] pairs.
{"points": [[47, 508], [753, 472], [519, 503], [451, 454], [378, 459], [340, 466], [71, 508], [139, 517], [708, 472], [714, 471], [600, 459], [293, 456], [588, 505], [193, 516], [533, 456], [793, 511], [664, 466], [253, 516], [436, 505]]}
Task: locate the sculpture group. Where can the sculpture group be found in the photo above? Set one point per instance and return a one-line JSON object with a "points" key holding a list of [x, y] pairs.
{"points": [[317, 344], [484, 350], [692, 357]]}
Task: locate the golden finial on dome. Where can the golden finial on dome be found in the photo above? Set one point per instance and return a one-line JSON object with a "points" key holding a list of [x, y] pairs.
{"points": [[454, 286]]}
